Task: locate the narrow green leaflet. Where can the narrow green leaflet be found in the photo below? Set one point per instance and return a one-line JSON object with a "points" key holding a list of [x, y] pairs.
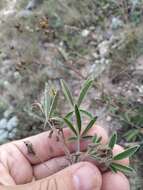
{"points": [[88, 137], [67, 92], [121, 168], [78, 118], [89, 126], [70, 125], [127, 153], [53, 104], [98, 140], [73, 139], [113, 169], [94, 138], [68, 115], [87, 113], [113, 140], [83, 91]]}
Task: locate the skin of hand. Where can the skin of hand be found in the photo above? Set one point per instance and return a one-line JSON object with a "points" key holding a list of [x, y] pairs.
{"points": [[22, 171]]}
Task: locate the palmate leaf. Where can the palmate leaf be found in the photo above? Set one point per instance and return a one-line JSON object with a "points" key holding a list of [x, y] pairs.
{"points": [[89, 126], [78, 118], [53, 104], [84, 91], [118, 167], [67, 92], [84, 112], [70, 125], [127, 153], [113, 140]]}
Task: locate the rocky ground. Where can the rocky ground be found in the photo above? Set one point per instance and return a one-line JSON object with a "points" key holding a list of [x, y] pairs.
{"points": [[44, 41]]}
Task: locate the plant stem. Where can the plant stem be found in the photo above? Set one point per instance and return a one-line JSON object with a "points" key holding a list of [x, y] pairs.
{"points": [[78, 144], [62, 141]]}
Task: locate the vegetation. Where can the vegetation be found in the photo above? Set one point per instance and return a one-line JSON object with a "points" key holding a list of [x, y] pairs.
{"points": [[73, 40], [102, 154]]}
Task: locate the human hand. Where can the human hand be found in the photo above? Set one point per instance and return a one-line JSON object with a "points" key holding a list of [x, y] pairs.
{"points": [[22, 171]]}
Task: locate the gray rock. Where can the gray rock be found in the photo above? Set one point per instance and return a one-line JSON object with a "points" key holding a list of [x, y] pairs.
{"points": [[3, 136], [12, 123], [95, 55], [103, 48], [3, 123], [135, 2], [116, 23], [33, 4], [17, 75], [8, 112], [85, 33], [12, 134], [102, 61], [24, 14]]}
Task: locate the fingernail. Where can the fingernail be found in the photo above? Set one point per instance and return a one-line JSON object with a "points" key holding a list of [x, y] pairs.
{"points": [[85, 178]]}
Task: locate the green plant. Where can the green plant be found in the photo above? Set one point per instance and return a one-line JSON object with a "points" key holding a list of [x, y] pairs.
{"points": [[74, 120]]}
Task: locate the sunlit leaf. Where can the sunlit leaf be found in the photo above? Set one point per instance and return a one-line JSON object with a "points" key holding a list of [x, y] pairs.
{"points": [[53, 104], [98, 139], [68, 115], [78, 118], [84, 91], [67, 92], [127, 153], [70, 125], [113, 140], [58, 119], [89, 126], [122, 168]]}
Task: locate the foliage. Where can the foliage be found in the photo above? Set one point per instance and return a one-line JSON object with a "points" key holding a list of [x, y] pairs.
{"points": [[129, 114], [74, 120]]}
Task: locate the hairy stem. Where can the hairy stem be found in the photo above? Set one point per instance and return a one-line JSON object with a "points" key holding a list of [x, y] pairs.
{"points": [[78, 144], [62, 141]]}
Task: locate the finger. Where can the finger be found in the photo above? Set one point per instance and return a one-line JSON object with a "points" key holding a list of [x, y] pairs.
{"points": [[115, 181], [14, 168], [50, 167], [81, 176], [47, 148], [118, 149], [56, 164], [5, 178]]}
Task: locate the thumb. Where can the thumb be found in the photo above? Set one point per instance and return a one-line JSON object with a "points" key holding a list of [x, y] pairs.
{"points": [[81, 176]]}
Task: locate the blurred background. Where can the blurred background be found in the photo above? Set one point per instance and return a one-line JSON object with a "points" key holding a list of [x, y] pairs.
{"points": [[48, 40]]}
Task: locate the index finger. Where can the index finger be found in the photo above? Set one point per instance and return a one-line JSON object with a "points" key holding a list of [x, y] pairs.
{"points": [[47, 148]]}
